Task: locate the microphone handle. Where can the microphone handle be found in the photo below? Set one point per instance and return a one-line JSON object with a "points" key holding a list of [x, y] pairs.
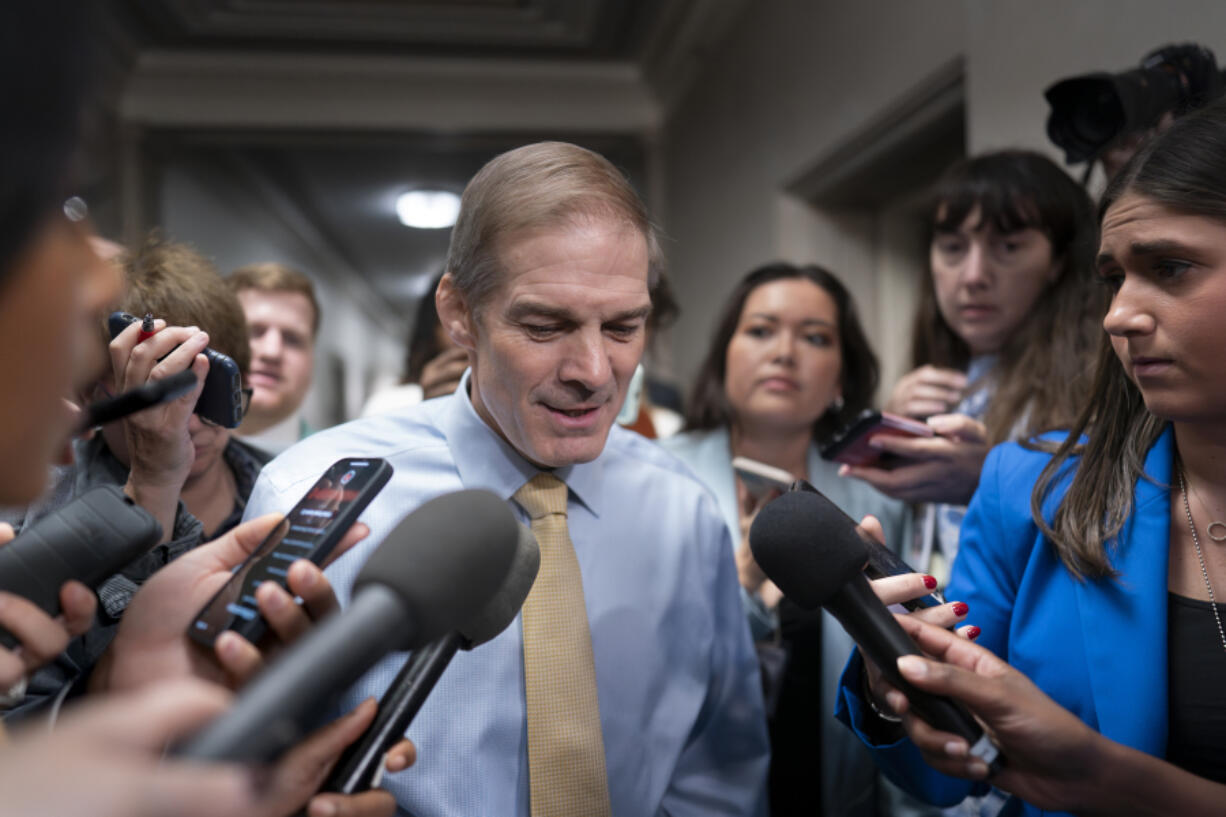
{"points": [[273, 710], [359, 766], [883, 640]]}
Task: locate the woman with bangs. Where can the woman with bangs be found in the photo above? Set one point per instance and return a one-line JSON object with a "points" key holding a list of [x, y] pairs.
{"points": [[1003, 340]]}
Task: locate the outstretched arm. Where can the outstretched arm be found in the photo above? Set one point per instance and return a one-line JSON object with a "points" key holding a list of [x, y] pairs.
{"points": [[1052, 758]]}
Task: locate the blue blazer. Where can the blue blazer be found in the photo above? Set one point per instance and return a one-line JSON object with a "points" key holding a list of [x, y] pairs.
{"points": [[1097, 647]]}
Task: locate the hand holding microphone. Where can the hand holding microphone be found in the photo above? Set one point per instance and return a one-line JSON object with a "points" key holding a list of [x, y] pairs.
{"points": [[359, 767], [811, 550], [436, 571]]}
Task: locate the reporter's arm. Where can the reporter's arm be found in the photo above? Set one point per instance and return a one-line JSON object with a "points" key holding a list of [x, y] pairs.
{"points": [[152, 643], [105, 759], [1052, 759], [159, 445]]}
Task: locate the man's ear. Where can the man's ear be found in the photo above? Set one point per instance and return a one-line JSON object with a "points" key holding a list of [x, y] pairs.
{"points": [[455, 315]]}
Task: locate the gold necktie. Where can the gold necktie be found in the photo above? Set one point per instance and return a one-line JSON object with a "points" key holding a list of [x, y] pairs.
{"points": [[566, 766]]}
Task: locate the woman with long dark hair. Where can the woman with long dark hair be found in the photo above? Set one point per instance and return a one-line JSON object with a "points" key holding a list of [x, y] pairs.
{"points": [[1093, 561], [1004, 336], [787, 367]]}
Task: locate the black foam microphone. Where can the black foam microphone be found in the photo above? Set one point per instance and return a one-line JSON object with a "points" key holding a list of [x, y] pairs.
{"points": [[361, 764], [439, 568], [811, 550], [90, 539]]}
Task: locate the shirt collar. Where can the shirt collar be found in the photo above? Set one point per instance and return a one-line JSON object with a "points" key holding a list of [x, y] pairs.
{"points": [[485, 460]]}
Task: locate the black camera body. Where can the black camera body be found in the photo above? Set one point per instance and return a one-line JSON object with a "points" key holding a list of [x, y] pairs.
{"points": [[1089, 112]]}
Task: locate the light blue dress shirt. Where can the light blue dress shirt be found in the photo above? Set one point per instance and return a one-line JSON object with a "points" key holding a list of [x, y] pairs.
{"points": [[677, 678]]}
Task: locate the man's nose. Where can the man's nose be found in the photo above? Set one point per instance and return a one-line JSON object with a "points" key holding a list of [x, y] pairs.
{"points": [[269, 344], [587, 360]]}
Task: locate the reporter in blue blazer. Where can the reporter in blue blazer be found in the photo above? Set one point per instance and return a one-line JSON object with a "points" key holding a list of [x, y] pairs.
{"points": [[1093, 564]]}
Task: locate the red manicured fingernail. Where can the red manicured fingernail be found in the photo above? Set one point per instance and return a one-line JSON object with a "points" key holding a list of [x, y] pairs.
{"points": [[930, 582], [972, 632], [960, 609]]}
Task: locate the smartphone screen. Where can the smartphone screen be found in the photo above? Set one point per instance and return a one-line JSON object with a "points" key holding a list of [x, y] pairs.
{"points": [[311, 531]]}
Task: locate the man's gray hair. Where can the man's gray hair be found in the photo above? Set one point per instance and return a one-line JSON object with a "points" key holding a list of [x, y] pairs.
{"points": [[542, 185]]}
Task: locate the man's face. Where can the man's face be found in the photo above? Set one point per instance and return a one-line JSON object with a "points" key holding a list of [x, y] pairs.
{"points": [[282, 354], [555, 346]]}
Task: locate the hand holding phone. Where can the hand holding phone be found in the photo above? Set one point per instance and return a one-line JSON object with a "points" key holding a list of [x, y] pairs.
{"points": [[222, 399], [311, 530], [851, 447]]}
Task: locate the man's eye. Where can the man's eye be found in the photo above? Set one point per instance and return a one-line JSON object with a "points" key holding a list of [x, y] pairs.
{"points": [[622, 329], [541, 330]]}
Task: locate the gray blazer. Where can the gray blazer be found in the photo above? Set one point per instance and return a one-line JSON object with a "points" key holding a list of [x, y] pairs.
{"points": [[849, 778]]}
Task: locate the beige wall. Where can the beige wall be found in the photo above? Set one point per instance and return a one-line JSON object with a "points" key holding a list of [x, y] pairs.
{"points": [[796, 77], [794, 80]]}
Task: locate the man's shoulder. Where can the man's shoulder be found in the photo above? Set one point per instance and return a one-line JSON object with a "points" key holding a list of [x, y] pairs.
{"points": [[413, 433], [692, 445], [652, 461]]}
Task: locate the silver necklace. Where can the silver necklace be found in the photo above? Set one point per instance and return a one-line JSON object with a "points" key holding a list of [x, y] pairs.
{"points": [[1217, 537], [1200, 557]]}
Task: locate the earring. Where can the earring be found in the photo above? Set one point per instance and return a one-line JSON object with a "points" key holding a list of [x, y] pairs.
{"points": [[837, 405]]}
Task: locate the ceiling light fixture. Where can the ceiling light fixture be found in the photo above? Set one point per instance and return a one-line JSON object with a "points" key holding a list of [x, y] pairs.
{"points": [[428, 209]]}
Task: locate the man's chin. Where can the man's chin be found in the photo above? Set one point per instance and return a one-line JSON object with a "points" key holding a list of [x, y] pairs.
{"points": [[559, 453]]}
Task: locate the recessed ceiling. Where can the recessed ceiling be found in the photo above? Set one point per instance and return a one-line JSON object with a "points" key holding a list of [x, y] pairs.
{"points": [[609, 29], [343, 176]]}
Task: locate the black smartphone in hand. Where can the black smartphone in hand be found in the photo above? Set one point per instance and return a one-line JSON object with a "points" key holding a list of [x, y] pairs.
{"points": [[311, 531], [221, 399], [851, 446]]}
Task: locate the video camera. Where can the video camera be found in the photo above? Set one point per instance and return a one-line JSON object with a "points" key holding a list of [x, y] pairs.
{"points": [[1091, 111]]}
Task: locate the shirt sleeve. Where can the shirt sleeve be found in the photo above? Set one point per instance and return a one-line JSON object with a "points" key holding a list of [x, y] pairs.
{"points": [[722, 769]]}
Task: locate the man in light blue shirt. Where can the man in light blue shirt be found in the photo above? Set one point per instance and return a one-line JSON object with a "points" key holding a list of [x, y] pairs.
{"points": [[548, 289]]}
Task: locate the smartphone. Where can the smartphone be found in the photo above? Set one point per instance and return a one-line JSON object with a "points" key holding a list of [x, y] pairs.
{"points": [[851, 445], [221, 399], [90, 539], [882, 561], [311, 531], [761, 479]]}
